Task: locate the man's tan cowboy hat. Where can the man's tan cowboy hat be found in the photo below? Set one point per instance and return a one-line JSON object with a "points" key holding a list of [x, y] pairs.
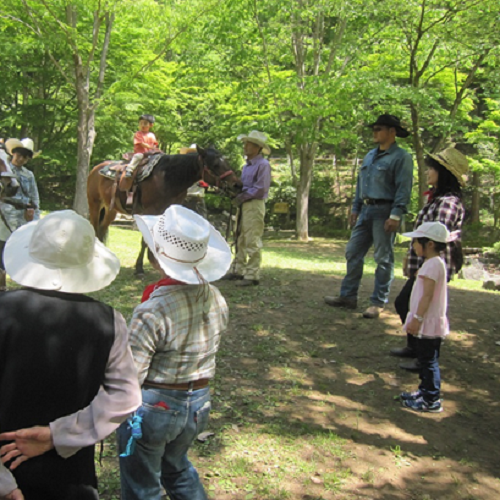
{"points": [[258, 138], [26, 143], [60, 252], [187, 247], [454, 161], [391, 121]]}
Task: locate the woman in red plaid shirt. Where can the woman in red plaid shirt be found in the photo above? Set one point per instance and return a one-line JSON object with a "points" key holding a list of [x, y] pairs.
{"points": [[446, 175]]}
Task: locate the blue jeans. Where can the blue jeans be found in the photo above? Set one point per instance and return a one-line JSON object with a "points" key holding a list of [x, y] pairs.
{"points": [[171, 422], [369, 230], [430, 375]]}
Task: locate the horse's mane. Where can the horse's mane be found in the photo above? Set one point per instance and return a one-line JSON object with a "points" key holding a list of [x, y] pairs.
{"points": [[183, 169]]}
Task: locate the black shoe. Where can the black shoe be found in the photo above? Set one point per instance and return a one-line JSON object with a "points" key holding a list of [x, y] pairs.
{"points": [[403, 352], [247, 283], [232, 276], [412, 365], [341, 302]]}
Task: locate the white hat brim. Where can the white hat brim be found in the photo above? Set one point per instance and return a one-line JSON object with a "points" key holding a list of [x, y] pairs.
{"points": [[214, 265], [22, 269]]}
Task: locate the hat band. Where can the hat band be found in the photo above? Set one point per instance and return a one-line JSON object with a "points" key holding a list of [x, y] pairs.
{"points": [[162, 252]]}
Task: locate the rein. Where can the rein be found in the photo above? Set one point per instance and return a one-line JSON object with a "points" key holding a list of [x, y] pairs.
{"points": [[206, 169]]}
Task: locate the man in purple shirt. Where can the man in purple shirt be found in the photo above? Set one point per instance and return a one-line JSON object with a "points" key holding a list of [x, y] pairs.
{"points": [[256, 179]]}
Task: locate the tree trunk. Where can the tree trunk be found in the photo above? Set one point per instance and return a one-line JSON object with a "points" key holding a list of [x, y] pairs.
{"points": [[419, 152], [86, 137], [476, 178], [307, 152]]}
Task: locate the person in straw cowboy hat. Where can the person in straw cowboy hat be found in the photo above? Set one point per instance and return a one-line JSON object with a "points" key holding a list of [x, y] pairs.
{"points": [[256, 180], [65, 363], [174, 337], [446, 172], [23, 206]]}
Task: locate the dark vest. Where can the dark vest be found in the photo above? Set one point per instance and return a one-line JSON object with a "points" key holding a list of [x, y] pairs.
{"points": [[54, 348]]}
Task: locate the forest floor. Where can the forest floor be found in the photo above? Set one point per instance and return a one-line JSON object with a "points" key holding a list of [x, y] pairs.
{"points": [[303, 400]]}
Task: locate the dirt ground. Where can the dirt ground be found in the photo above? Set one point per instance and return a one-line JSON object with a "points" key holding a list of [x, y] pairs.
{"points": [[346, 382]]}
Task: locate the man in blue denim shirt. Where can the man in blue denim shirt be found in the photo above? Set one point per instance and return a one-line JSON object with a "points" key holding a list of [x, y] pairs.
{"points": [[383, 191]]}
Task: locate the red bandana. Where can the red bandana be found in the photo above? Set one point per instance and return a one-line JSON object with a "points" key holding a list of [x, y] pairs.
{"points": [[163, 282]]}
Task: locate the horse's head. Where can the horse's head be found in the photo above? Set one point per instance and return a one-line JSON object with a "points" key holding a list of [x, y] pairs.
{"points": [[217, 172]]}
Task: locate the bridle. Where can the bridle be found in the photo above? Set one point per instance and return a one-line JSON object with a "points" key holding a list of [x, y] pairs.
{"points": [[206, 169]]}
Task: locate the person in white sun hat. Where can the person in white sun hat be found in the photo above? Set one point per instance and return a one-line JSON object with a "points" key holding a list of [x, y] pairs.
{"points": [[67, 376], [24, 205], [256, 180], [174, 336], [446, 176], [426, 320]]}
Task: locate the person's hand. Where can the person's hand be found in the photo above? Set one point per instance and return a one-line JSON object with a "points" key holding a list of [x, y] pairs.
{"points": [[405, 267], [29, 214], [391, 226], [353, 219], [16, 494], [28, 443], [413, 327]]}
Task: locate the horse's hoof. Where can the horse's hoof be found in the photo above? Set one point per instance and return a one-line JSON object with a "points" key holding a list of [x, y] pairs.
{"points": [[140, 276]]}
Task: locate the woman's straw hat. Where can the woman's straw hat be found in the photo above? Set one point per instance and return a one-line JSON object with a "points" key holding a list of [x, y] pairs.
{"points": [[454, 161]]}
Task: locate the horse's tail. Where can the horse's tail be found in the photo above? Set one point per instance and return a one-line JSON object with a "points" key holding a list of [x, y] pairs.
{"points": [[102, 231]]}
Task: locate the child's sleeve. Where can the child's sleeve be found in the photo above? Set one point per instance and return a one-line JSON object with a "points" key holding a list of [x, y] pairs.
{"points": [[137, 138], [432, 269]]}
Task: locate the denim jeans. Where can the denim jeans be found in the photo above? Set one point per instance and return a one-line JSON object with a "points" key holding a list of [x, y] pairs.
{"points": [[430, 375], [171, 422], [369, 230]]}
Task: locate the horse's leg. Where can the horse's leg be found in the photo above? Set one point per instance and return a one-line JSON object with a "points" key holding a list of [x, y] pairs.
{"points": [[105, 222], [139, 264]]}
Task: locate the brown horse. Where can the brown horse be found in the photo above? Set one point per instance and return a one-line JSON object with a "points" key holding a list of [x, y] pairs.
{"points": [[167, 185]]}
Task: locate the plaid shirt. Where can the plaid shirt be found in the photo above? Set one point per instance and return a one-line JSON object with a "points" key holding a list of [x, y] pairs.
{"points": [[450, 211], [173, 340]]}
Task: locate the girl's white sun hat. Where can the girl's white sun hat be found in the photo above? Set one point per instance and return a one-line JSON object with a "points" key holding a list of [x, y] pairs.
{"points": [[435, 231]]}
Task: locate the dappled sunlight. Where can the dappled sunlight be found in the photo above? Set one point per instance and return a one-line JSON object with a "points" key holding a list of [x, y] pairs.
{"points": [[303, 398]]}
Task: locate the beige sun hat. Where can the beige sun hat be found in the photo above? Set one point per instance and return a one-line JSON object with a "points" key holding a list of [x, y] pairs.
{"points": [[187, 247], [60, 252], [258, 138], [26, 143], [454, 161]]}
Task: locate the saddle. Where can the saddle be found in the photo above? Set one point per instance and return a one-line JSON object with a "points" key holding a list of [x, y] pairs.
{"points": [[115, 171]]}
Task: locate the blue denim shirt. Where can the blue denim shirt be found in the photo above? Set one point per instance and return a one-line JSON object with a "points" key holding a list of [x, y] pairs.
{"points": [[385, 175]]}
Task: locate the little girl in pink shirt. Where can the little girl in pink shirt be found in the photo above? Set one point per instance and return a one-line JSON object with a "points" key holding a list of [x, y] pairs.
{"points": [[427, 318]]}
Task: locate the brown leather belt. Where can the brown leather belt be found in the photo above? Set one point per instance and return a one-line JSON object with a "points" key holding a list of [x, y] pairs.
{"points": [[188, 386]]}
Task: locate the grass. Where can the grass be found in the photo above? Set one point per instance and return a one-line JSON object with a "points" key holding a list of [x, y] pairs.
{"points": [[271, 441]]}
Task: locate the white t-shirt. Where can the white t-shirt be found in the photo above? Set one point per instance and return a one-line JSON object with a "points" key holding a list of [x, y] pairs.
{"points": [[435, 323]]}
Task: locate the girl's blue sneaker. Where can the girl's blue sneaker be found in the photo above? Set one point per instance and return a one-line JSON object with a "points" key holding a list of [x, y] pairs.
{"points": [[420, 405], [409, 395]]}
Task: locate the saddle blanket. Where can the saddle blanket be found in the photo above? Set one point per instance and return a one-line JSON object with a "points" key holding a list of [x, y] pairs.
{"points": [[117, 167]]}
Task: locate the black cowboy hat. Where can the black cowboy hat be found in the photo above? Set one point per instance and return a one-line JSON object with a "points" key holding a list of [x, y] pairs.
{"points": [[391, 121]]}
